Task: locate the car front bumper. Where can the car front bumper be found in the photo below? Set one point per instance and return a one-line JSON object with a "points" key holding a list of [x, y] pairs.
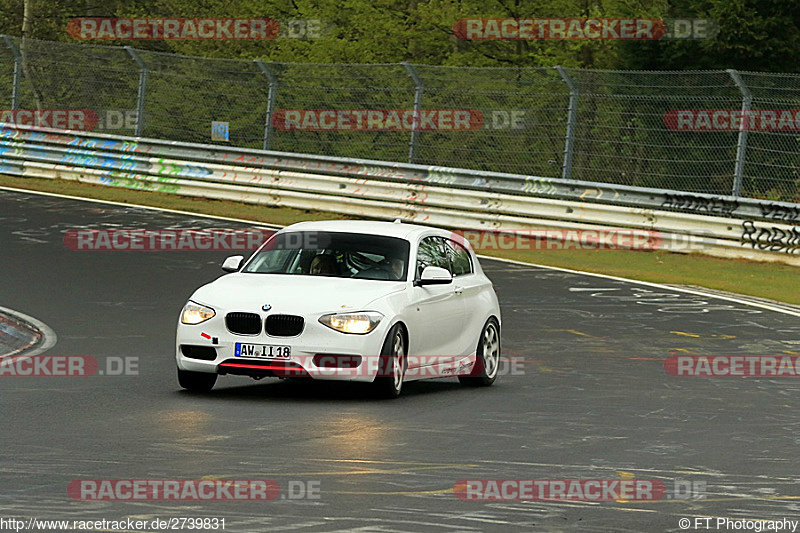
{"points": [[315, 344]]}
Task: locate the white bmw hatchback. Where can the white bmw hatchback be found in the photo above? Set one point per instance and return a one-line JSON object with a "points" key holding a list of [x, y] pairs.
{"points": [[379, 302]]}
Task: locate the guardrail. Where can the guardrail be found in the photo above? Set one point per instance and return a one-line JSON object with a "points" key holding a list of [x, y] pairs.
{"points": [[466, 199]]}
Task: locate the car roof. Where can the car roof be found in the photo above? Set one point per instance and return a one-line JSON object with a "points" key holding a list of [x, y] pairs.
{"points": [[368, 227]]}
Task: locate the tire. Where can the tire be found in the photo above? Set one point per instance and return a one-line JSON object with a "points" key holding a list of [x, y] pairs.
{"points": [[487, 361], [196, 381], [391, 369]]}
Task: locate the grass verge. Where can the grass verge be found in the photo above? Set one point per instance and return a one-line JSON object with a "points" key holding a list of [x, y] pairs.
{"points": [[763, 280]]}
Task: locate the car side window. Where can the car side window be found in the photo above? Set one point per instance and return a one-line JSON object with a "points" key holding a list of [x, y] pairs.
{"points": [[459, 258], [431, 252]]}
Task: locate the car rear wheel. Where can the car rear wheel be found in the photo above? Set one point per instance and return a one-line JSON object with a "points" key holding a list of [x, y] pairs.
{"points": [[196, 381], [391, 370], [488, 357]]}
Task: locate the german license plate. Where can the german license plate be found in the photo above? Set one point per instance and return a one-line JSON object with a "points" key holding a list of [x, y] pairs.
{"points": [[265, 351]]}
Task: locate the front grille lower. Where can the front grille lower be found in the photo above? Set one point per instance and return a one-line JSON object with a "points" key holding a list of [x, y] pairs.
{"points": [[284, 325], [206, 353], [243, 323]]}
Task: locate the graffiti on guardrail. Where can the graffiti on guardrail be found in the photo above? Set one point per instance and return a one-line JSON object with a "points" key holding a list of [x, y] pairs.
{"points": [[175, 169], [78, 157], [137, 182], [372, 171], [539, 186], [700, 204], [594, 194], [441, 176], [47, 137], [779, 212], [153, 165], [287, 163], [771, 238], [7, 168]]}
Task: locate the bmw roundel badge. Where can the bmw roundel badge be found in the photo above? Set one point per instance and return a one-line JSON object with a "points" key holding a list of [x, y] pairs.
{"points": [[266, 307]]}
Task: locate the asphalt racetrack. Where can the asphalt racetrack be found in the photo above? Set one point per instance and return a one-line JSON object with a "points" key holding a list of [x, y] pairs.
{"points": [[584, 395]]}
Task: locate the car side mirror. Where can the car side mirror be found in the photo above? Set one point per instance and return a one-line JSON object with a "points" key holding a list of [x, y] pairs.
{"points": [[433, 275], [233, 263]]}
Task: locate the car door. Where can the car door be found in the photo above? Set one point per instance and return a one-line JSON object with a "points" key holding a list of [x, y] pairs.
{"points": [[437, 310], [469, 286]]}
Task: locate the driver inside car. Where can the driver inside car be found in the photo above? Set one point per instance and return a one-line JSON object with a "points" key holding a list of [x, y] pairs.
{"points": [[323, 265], [394, 266]]}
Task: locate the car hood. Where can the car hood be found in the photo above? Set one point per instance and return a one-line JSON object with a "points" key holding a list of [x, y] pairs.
{"points": [[293, 294]]}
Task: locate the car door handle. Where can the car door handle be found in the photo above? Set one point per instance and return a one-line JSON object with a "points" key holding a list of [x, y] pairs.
{"points": [[458, 290]]}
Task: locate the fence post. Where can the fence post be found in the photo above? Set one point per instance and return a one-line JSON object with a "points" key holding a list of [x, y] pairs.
{"points": [[17, 71], [572, 122], [741, 145], [142, 89], [412, 149], [273, 88]]}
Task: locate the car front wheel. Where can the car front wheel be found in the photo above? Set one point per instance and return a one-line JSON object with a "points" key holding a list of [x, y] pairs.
{"points": [[488, 357], [196, 381], [391, 369]]}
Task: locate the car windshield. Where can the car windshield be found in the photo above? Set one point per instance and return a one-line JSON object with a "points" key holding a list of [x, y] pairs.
{"points": [[333, 254]]}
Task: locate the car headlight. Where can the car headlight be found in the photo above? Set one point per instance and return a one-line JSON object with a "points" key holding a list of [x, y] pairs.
{"points": [[195, 313], [355, 323]]}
